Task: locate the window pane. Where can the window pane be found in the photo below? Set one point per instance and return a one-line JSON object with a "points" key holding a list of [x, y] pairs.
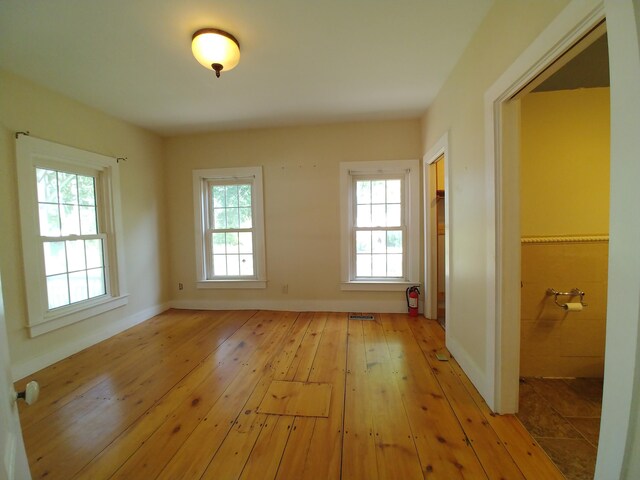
{"points": [[55, 258], [49, 220], [363, 218], [378, 265], [232, 218], [219, 265], [86, 190], [245, 239], [363, 241], [363, 191], [394, 241], [394, 191], [233, 265], [218, 197], [244, 195], [363, 265], [78, 290], [75, 255], [232, 243], [70, 221], [379, 242], [232, 195], [218, 243], [378, 216], [394, 265], [246, 264], [393, 216], [96, 282], [378, 191], [93, 249], [47, 186], [232, 253], [245, 218], [57, 291], [219, 218], [88, 225], [68, 188]]}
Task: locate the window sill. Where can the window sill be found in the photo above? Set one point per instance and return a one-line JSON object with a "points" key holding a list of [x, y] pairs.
{"points": [[378, 286], [229, 284], [54, 321]]}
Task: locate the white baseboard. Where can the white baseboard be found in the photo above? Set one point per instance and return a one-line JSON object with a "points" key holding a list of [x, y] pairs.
{"points": [[311, 305], [23, 369]]}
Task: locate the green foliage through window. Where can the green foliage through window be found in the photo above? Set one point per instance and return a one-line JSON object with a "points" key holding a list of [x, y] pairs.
{"points": [[231, 240]]}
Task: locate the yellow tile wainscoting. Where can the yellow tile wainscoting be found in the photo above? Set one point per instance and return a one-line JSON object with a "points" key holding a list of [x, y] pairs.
{"points": [[555, 342]]}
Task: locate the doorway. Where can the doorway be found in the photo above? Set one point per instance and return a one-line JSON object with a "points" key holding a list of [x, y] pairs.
{"points": [[437, 236], [564, 222], [503, 239], [440, 244]]}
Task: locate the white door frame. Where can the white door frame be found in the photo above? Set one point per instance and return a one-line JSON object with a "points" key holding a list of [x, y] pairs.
{"points": [[622, 385], [440, 148], [503, 242]]}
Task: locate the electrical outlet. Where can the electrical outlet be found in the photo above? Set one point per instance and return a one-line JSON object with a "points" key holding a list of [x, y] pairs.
{"points": [[180, 286]]}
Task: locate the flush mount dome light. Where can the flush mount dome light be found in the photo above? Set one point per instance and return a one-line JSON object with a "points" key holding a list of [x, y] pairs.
{"points": [[215, 49]]}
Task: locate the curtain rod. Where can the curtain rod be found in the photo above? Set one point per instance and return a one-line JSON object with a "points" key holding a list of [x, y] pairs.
{"points": [[28, 134]]}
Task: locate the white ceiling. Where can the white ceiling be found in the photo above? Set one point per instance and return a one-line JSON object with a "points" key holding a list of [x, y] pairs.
{"points": [[302, 61]]}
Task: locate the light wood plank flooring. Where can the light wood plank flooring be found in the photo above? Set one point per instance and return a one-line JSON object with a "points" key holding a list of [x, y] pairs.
{"points": [[177, 398]]}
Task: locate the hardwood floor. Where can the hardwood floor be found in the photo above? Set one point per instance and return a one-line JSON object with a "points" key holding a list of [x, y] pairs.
{"points": [[178, 398]]}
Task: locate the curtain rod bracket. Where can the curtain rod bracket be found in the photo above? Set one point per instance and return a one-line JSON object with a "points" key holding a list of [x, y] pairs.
{"points": [[124, 159], [27, 133]]}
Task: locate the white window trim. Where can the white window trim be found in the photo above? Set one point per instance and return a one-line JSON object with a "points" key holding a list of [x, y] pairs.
{"points": [[200, 178], [32, 152], [411, 201]]}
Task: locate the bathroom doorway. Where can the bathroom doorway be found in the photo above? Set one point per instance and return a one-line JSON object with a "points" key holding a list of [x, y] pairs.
{"points": [[564, 221]]}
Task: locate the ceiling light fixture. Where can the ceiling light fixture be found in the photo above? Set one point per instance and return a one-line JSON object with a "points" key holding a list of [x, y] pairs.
{"points": [[215, 49]]}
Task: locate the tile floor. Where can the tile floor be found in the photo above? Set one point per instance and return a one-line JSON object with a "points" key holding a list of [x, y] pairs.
{"points": [[563, 415]]}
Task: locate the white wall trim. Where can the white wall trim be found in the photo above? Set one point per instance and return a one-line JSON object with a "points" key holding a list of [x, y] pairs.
{"points": [[24, 369], [619, 445], [566, 29], [370, 305], [378, 286]]}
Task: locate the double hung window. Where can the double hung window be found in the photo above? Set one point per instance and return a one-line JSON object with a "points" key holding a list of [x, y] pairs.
{"points": [[379, 227], [380, 224], [229, 228], [71, 233], [71, 240]]}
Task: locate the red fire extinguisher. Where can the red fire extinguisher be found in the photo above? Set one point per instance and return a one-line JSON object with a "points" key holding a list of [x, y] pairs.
{"points": [[413, 293]]}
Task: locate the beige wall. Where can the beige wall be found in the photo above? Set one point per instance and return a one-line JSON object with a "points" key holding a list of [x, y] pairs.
{"points": [[564, 162], [302, 214], [564, 178], [48, 115], [459, 110]]}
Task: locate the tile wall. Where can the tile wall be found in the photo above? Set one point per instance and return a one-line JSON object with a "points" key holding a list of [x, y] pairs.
{"points": [[554, 342]]}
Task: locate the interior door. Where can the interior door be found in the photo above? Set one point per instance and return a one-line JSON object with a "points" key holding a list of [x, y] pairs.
{"points": [[14, 465]]}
